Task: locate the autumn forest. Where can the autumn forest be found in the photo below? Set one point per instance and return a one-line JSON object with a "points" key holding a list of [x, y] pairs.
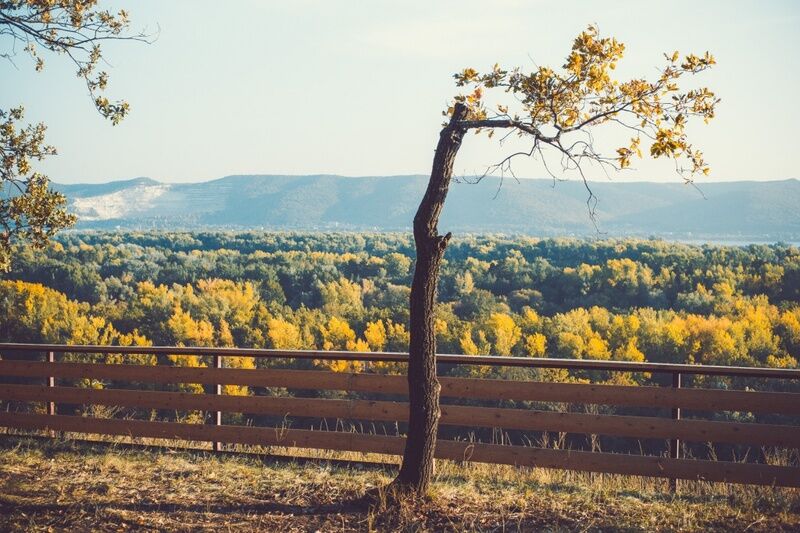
{"points": [[513, 296]]}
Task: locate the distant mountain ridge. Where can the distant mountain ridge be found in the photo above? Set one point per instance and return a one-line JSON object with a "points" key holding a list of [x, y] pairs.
{"points": [[747, 210]]}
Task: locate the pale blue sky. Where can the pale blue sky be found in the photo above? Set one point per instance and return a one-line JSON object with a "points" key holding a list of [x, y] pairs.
{"points": [[357, 88]]}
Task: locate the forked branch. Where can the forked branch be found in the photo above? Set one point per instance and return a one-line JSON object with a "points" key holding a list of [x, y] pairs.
{"points": [[553, 107]]}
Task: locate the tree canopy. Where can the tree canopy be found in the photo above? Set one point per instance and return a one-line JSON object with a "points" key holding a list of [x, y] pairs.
{"points": [[559, 109], [29, 210]]}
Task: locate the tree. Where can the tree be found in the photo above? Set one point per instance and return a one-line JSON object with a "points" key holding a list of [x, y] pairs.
{"points": [[29, 210], [558, 112]]}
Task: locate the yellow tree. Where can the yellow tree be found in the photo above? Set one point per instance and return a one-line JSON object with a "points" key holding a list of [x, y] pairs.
{"points": [[467, 344], [535, 345], [558, 111], [338, 335], [224, 338], [284, 335], [504, 333], [341, 297], [375, 335], [186, 331]]}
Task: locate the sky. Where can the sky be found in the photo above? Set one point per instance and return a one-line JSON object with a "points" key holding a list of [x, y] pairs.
{"points": [[357, 88]]}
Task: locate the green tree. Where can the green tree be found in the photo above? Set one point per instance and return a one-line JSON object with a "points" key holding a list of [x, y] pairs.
{"points": [[29, 210], [559, 113]]}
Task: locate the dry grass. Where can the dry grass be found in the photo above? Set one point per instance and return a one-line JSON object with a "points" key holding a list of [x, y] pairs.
{"points": [[69, 486]]}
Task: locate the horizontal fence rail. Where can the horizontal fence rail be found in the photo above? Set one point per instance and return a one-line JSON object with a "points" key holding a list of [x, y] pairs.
{"points": [[458, 415], [59, 390], [480, 389], [398, 357]]}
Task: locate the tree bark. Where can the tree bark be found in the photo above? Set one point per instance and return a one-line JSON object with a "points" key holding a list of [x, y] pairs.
{"points": [[417, 469]]}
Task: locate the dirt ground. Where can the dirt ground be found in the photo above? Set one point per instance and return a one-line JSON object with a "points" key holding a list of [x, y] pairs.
{"points": [[78, 487]]}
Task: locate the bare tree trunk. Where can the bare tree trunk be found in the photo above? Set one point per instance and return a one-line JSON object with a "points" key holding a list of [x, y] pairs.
{"points": [[423, 387]]}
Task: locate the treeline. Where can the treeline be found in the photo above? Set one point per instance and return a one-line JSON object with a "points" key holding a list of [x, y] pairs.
{"points": [[621, 300]]}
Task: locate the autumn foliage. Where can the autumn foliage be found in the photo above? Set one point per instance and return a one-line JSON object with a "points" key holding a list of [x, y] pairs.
{"points": [[558, 108], [617, 300]]}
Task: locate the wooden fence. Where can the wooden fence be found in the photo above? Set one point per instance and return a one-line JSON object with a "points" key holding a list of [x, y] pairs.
{"points": [[54, 374]]}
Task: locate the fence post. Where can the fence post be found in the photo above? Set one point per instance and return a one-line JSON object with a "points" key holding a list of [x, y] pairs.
{"points": [[675, 444], [51, 382], [217, 446]]}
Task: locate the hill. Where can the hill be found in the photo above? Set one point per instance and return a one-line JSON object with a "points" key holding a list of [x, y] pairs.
{"points": [[744, 210]]}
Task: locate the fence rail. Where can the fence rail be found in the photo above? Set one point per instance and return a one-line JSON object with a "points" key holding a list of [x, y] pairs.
{"points": [[398, 357], [56, 375]]}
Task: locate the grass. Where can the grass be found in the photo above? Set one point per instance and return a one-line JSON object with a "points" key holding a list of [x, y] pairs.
{"points": [[63, 485]]}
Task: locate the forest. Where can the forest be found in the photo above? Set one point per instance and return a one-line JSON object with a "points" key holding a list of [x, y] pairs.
{"points": [[627, 300], [623, 300]]}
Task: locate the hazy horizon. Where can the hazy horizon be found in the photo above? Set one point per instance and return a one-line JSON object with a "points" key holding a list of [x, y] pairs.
{"points": [[266, 174], [357, 90]]}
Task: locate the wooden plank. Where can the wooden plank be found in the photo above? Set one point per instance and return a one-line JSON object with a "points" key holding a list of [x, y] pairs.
{"points": [[263, 436], [271, 405], [613, 463], [459, 451], [291, 379], [623, 426], [583, 393], [457, 359], [490, 389], [469, 416]]}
